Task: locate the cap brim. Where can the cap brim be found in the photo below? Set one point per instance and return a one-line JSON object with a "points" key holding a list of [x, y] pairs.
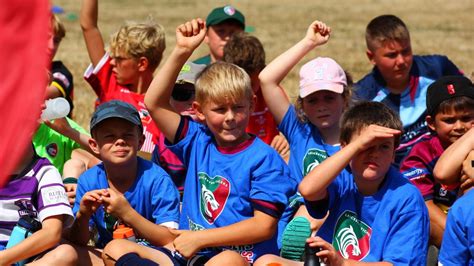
{"points": [[311, 88]]}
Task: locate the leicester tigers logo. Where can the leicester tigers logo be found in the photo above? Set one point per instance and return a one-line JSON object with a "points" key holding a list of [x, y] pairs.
{"points": [[214, 194], [352, 236], [313, 158]]}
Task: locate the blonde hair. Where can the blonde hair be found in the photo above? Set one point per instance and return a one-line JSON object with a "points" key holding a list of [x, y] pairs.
{"points": [[221, 82], [346, 95], [140, 39], [385, 28], [59, 31]]}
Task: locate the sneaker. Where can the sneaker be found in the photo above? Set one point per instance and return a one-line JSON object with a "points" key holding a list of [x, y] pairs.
{"points": [[294, 238]]}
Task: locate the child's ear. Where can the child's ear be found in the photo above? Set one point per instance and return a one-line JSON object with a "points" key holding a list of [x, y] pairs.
{"points": [[94, 146], [370, 56], [199, 114], [143, 64], [431, 122]]}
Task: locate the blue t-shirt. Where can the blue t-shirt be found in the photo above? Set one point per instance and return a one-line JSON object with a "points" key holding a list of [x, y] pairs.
{"points": [[225, 187], [457, 247], [392, 225], [153, 195], [410, 104]]}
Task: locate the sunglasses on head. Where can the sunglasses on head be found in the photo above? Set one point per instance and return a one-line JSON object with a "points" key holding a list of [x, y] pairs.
{"points": [[183, 92]]}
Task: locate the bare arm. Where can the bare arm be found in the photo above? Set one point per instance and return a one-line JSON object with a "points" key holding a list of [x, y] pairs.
{"points": [[314, 185], [157, 98], [262, 226], [272, 75], [47, 237], [448, 168], [90, 30], [63, 127]]}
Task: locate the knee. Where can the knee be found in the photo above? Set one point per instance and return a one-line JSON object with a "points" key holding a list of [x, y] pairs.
{"points": [[63, 254], [227, 257], [116, 248]]}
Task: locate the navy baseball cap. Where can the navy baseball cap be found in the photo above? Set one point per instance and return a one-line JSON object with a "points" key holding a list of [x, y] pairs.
{"points": [[116, 109], [445, 88]]}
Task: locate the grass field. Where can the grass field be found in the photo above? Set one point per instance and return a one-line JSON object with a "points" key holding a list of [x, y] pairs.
{"points": [[436, 27]]}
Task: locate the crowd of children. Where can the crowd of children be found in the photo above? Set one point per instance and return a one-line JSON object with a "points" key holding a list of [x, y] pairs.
{"points": [[209, 163]]}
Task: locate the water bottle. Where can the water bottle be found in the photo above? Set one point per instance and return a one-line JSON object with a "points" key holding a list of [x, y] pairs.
{"points": [[25, 227], [55, 108], [310, 258], [124, 232]]}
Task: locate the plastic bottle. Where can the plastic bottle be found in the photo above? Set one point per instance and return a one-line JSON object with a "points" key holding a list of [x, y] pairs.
{"points": [[25, 227], [124, 232], [55, 108], [310, 258]]}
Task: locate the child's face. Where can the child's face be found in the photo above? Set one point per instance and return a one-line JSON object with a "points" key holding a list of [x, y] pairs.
{"points": [[227, 121], [393, 59], [324, 108], [218, 35], [116, 141], [450, 126], [373, 163], [125, 68]]}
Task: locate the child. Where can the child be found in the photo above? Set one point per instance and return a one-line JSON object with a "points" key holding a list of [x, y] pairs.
{"points": [[247, 52], [312, 126], [450, 114], [126, 72], [221, 24], [400, 79], [181, 100], [62, 84], [123, 188], [228, 189], [457, 247], [35, 191], [375, 215]]}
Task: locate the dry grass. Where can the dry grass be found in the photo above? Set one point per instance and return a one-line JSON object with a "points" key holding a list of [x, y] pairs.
{"points": [[436, 26]]}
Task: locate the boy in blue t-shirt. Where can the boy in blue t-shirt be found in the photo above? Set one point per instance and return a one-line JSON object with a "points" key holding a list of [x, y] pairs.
{"points": [[231, 205], [124, 188], [399, 78], [375, 215]]}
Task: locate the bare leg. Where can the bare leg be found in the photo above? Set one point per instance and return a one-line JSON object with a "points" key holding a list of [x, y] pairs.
{"points": [[227, 257], [119, 247], [270, 258]]}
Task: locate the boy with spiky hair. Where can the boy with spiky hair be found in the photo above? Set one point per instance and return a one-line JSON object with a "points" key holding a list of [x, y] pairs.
{"points": [[126, 71], [399, 78]]}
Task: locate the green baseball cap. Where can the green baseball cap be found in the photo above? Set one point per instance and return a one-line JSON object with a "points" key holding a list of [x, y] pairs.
{"points": [[221, 14]]}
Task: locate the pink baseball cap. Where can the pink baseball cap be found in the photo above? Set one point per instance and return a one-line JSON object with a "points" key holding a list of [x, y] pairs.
{"points": [[322, 73]]}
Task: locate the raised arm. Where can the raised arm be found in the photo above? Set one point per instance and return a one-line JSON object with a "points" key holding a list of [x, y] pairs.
{"points": [[314, 185], [271, 76], [90, 30], [448, 168], [157, 99]]}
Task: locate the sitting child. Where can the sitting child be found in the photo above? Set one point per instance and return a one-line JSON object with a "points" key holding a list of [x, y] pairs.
{"points": [[124, 188], [450, 114], [375, 214], [35, 192]]}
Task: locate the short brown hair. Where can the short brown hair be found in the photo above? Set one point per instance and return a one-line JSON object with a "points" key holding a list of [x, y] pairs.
{"points": [[221, 82], [246, 51], [456, 104], [385, 28], [140, 39], [364, 114]]}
